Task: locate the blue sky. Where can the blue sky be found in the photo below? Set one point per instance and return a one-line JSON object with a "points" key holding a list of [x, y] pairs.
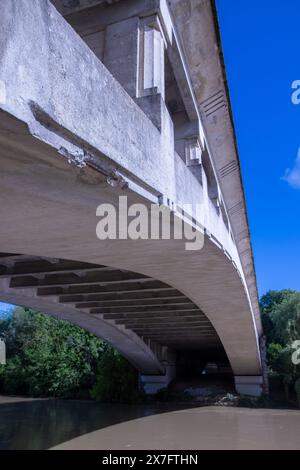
{"points": [[5, 310], [261, 47]]}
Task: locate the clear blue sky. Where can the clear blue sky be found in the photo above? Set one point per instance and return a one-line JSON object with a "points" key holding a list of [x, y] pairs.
{"points": [[5, 310], [261, 40]]}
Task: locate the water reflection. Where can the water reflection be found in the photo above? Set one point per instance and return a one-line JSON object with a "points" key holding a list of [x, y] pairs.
{"points": [[40, 424]]}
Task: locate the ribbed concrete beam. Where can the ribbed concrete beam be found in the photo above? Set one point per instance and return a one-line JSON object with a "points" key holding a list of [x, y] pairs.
{"points": [[134, 303], [147, 294], [56, 108], [148, 309], [73, 280], [155, 316], [167, 309], [118, 287], [165, 322]]}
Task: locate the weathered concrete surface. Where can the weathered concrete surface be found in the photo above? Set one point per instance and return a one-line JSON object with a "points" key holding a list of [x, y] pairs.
{"points": [[196, 22], [68, 231], [205, 71], [68, 104]]}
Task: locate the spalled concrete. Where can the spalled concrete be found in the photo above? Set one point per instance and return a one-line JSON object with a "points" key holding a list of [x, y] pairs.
{"points": [[67, 127]]}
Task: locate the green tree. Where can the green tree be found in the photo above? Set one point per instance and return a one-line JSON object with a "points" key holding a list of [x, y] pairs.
{"points": [[116, 381], [50, 357], [281, 321], [286, 319], [272, 298], [47, 357], [268, 303]]}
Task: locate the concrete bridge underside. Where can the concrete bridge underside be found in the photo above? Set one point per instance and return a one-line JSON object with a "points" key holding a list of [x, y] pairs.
{"points": [[68, 130], [48, 210], [134, 312]]}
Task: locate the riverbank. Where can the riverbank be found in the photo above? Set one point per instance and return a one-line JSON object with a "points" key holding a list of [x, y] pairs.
{"points": [[6, 399]]}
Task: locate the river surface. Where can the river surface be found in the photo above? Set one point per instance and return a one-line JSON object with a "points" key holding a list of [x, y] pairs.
{"points": [[63, 424]]}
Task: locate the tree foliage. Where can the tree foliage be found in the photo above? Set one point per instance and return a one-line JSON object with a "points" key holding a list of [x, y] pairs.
{"points": [[268, 304], [50, 357], [116, 380], [281, 322]]}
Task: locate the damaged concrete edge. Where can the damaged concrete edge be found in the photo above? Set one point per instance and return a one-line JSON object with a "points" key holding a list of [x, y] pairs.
{"points": [[86, 155]]}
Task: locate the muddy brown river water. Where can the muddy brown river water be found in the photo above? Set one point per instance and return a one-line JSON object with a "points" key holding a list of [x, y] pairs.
{"points": [[62, 424]]}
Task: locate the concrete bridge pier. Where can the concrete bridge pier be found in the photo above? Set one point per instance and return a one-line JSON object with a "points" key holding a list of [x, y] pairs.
{"points": [[249, 385], [244, 384]]}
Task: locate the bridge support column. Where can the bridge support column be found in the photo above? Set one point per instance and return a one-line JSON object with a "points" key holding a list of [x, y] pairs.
{"points": [[153, 383], [249, 385]]}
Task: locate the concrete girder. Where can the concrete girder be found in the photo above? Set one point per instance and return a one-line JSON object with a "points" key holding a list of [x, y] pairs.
{"points": [[50, 145], [42, 243], [197, 23]]}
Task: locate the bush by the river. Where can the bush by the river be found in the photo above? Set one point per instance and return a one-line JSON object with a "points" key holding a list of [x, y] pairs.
{"points": [[281, 322], [116, 380], [50, 357]]}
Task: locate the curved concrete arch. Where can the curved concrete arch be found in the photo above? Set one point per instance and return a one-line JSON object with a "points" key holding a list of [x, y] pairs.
{"points": [[72, 137], [47, 285], [126, 342], [205, 277], [208, 277], [53, 215]]}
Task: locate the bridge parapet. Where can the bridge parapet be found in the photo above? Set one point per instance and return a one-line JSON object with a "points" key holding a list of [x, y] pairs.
{"points": [[132, 114], [69, 99]]}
